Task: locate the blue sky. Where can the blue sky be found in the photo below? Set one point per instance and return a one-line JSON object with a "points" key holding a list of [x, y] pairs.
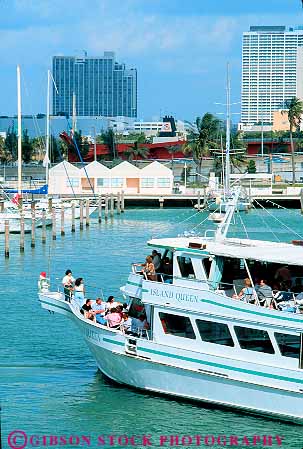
{"points": [[180, 48]]}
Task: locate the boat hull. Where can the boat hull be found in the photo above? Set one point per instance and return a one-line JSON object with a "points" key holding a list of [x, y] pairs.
{"points": [[159, 368]]}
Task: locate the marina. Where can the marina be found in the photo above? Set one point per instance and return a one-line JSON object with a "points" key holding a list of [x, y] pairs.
{"points": [[62, 363]]}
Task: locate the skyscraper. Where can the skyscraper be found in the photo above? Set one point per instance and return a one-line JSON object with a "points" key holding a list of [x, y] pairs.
{"points": [[271, 62], [102, 86]]}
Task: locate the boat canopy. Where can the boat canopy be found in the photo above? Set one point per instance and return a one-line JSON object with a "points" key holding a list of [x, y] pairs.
{"points": [[280, 253]]}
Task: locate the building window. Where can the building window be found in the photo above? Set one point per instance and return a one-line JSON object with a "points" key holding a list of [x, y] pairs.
{"points": [[72, 182], [147, 183], [254, 339], [103, 182], [179, 326], [289, 345], [117, 182], [212, 332], [163, 182]]}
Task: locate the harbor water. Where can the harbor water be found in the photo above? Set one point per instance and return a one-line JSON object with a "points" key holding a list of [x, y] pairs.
{"points": [[49, 381]]}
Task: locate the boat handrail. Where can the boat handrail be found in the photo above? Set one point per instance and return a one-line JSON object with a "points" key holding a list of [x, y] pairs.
{"points": [[208, 231]]}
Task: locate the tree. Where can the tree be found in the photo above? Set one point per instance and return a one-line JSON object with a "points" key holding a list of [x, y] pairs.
{"points": [[55, 151], [172, 150], [27, 147], [134, 151], [108, 139], [199, 145], [3, 152], [11, 143], [294, 111], [251, 166]]}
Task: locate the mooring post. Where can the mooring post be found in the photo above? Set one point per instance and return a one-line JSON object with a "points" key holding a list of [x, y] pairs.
{"points": [[81, 214], [50, 204], [161, 202], [33, 243], [6, 227], [100, 209], [62, 219], [21, 232], [73, 218], [301, 200], [43, 227], [54, 224], [118, 203], [112, 205], [106, 207], [87, 213], [122, 202]]}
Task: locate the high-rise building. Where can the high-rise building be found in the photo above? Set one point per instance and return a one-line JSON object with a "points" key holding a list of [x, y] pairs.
{"points": [[101, 86], [271, 64]]}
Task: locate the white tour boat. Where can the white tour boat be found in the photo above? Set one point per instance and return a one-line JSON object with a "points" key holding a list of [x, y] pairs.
{"points": [[202, 343]]}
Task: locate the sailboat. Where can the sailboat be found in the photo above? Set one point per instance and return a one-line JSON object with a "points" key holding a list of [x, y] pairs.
{"points": [[12, 211]]}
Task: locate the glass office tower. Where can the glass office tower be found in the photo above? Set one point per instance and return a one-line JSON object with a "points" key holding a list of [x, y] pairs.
{"points": [[102, 87], [271, 57]]}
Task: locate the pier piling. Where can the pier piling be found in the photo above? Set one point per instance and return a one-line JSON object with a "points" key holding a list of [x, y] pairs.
{"points": [[50, 204], [301, 200], [118, 203], [73, 218], [112, 205], [1, 206], [87, 213], [43, 235], [54, 224], [33, 243], [81, 215], [106, 207], [100, 209], [62, 219], [161, 202], [6, 228], [22, 233], [199, 200], [122, 202]]}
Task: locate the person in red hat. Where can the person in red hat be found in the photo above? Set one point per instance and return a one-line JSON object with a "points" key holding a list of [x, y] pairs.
{"points": [[43, 283]]}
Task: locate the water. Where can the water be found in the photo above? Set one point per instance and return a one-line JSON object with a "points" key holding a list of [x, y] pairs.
{"points": [[49, 381]]}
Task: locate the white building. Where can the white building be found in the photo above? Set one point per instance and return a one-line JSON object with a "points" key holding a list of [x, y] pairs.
{"points": [[125, 176], [95, 176], [64, 178], [156, 178], [271, 61]]}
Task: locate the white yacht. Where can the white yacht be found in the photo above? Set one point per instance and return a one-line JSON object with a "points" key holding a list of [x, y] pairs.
{"points": [[202, 343]]}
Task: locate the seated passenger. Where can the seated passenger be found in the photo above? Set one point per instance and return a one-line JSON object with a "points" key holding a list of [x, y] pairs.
{"points": [[87, 310], [247, 294], [139, 324], [99, 309], [127, 323], [264, 293], [110, 303], [113, 318]]}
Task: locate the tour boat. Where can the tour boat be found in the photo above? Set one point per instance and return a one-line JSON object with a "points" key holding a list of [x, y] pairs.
{"points": [[202, 343]]}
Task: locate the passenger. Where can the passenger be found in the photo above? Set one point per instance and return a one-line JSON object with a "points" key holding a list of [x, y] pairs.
{"points": [[139, 325], [43, 283], [68, 284], [167, 270], [156, 261], [247, 294], [99, 309], [79, 291], [127, 323], [149, 269], [87, 310], [113, 318], [264, 293], [110, 303], [283, 276], [119, 309]]}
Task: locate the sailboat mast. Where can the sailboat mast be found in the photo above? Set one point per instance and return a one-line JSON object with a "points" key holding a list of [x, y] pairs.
{"points": [[227, 160], [19, 132], [47, 129]]}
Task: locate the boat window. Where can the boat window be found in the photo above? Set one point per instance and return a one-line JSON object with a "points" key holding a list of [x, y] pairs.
{"points": [[186, 267], [254, 339], [177, 325], [289, 345], [136, 308], [212, 332], [233, 269]]}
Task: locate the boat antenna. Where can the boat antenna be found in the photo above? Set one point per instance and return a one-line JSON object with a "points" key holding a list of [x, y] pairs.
{"points": [[227, 160]]}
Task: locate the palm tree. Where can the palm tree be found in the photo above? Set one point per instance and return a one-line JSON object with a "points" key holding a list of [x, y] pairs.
{"points": [[172, 150], [199, 145], [294, 111], [134, 151]]}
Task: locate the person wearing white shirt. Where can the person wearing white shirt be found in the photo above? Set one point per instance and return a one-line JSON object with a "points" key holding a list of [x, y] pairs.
{"points": [[68, 284]]}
